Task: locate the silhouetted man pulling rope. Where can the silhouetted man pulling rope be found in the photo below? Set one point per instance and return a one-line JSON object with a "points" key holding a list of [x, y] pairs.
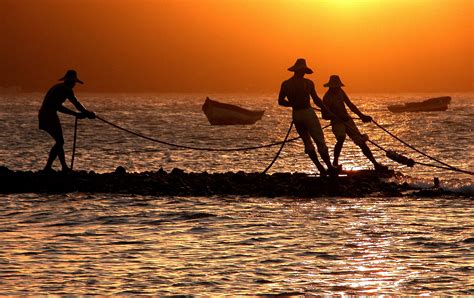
{"points": [[299, 90], [48, 116], [335, 100]]}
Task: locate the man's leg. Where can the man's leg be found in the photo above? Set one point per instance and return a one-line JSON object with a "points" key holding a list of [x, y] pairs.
{"points": [[57, 151], [309, 148], [61, 156], [360, 140], [314, 157], [316, 133], [339, 131], [368, 153], [337, 150], [324, 152], [53, 153]]}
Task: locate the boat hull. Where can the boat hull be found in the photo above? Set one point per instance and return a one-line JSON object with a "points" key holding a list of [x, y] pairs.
{"points": [[218, 113], [429, 105]]}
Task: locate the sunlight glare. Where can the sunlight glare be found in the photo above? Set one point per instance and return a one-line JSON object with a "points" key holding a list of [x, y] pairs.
{"points": [[351, 5]]}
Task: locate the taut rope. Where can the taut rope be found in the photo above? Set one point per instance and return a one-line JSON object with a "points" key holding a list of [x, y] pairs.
{"points": [[447, 166], [399, 158], [74, 145], [192, 147]]}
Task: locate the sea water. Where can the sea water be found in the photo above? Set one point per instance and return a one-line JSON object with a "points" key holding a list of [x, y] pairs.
{"points": [[123, 244]]}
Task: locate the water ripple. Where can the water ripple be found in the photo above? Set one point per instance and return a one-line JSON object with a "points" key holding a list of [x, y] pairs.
{"points": [[235, 245]]}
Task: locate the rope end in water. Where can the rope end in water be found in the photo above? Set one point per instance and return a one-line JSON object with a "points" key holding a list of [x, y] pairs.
{"points": [[401, 159]]}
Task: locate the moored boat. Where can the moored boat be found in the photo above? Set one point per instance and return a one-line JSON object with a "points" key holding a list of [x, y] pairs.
{"points": [[226, 114], [429, 105]]}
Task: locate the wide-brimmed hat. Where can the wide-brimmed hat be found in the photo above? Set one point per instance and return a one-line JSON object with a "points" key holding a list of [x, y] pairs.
{"points": [[334, 81], [71, 75], [300, 64]]}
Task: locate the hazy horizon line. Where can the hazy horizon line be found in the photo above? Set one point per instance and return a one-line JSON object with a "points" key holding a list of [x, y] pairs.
{"points": [[78, 91]]}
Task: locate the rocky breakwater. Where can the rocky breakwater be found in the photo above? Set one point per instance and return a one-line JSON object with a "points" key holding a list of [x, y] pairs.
{"points": [[180, 183]]}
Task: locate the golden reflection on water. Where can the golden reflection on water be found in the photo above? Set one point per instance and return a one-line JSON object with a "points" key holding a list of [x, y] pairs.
{"points": [[106, 244], [109, 244]]}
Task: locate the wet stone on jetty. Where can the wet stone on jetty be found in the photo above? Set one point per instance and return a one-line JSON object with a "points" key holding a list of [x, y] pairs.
{"points": [[180, 183]]}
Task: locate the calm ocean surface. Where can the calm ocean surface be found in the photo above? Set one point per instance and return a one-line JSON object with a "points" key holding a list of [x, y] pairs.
{"points": [[116, 244]]}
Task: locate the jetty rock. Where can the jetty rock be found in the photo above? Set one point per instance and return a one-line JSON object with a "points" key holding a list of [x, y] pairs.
{"points": [[181, 183]]}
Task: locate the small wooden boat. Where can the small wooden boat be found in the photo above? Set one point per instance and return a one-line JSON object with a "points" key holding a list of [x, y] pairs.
{"points": [[429, 105], [226, 114]]}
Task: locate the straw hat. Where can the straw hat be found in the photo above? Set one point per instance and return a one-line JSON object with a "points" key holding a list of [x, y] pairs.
{"points": [[71, 75], [300, 64], [334, 81]]}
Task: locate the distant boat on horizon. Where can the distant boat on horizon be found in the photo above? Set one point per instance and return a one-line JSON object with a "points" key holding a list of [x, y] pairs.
{"points": [[429, 105], [218, 113]]}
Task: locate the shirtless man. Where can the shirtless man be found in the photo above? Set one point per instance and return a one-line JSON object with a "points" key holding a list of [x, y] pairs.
{"points": [[298, 90], [49, 120], [335, 100]]}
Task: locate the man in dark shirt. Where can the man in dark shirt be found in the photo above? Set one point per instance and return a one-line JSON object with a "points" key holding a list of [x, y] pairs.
{"points": [[342, 123], [49, 120], [299, 90]]}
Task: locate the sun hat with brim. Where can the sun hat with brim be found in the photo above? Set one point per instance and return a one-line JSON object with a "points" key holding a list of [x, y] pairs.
{"points": [[300, 64], [71, 75], [334, 81]]}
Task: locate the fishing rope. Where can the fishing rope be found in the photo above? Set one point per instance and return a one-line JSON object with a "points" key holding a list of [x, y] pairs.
{"points": [[389, 152], [279, 150], [421, 152], [282, 143], [417, 162], [192, 147], [405, 160], [74, 145]]}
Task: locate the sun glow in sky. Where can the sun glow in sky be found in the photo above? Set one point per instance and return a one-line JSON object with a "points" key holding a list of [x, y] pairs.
{"points": [[238, 45]]}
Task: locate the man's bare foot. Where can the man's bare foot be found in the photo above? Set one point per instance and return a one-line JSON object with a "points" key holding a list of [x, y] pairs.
{"points": [[380, 167], [48, 170], [333, 171]]}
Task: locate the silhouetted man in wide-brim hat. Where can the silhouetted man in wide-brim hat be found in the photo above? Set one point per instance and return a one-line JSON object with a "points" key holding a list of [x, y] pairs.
{"points": [[298, 90], [48, 116], [342, 124]]}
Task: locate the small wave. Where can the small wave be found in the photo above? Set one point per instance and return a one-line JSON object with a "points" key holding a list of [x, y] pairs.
{"points": [[465, 269], [262, 281], [194, 215], [462, 188], [322, 255], [127, 242], [65, 224], [112, 220], [199, 230], [467, 189], [273, 261], [468, 240]]}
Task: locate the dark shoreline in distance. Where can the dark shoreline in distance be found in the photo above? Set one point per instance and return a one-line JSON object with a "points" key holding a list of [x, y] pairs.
{"points": [[180, 183]]}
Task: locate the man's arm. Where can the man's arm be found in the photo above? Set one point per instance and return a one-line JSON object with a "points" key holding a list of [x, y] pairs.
{"points": [[80, 107], [317, 101], [65, 110], [365, 118], [77, 104], [281, 97]]}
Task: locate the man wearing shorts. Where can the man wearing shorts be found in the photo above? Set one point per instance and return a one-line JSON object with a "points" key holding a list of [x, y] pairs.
{"points": [[342, 124], [48, 116], [298, 91]]}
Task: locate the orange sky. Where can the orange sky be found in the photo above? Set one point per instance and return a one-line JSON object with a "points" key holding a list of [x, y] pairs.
{"points": [[238, 45]]}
